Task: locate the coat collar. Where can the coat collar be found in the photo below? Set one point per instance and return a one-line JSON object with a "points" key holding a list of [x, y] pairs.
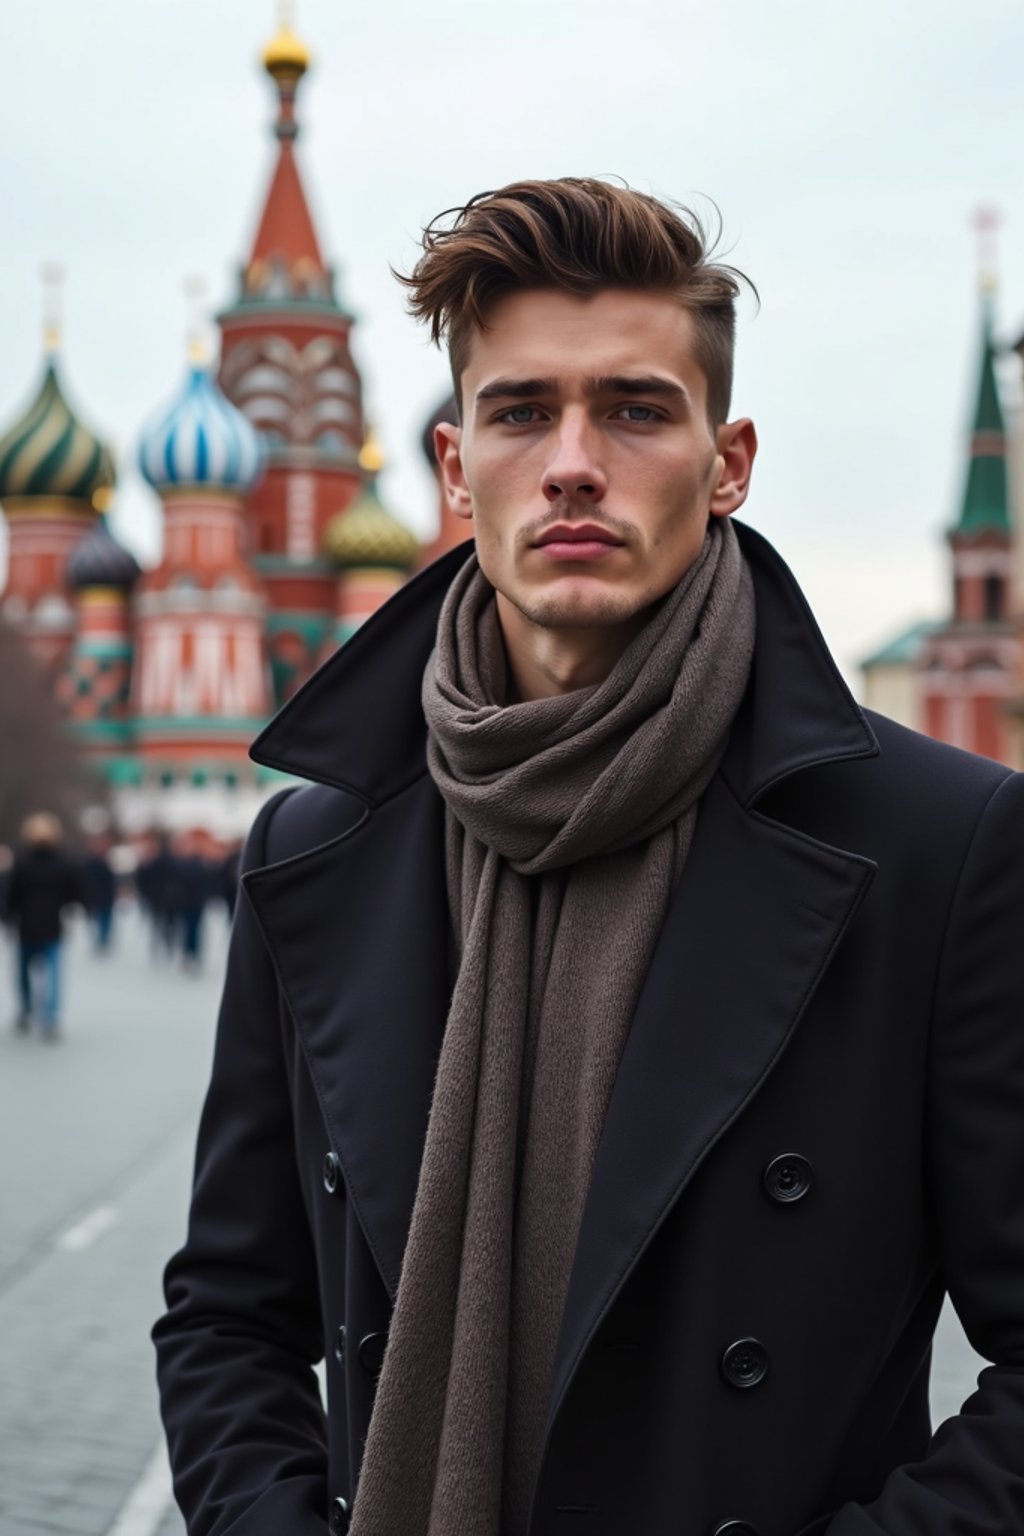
{"points": [[797, 711]]}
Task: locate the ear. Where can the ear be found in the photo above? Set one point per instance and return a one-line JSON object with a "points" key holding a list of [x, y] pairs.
{"points": [[736, 445], [447, 446]]}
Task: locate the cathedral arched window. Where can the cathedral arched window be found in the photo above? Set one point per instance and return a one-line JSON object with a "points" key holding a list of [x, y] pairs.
{"points": [[994, 598], [52, 611]]}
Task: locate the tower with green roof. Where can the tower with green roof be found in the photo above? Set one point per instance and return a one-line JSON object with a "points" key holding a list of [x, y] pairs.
{"points": [[967, 665]]}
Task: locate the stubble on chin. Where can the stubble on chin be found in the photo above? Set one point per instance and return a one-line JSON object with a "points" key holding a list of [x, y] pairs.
{"points": [[592, 610]]}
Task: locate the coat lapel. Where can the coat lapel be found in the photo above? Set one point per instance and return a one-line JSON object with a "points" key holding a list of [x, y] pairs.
{"points": [[358, 929], [753, 923]]}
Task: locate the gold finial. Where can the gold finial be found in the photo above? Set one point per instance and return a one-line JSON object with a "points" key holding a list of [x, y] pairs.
{"points": [[986, 225], [286, 56], [371, 459], [195, 292], [53, 279]]}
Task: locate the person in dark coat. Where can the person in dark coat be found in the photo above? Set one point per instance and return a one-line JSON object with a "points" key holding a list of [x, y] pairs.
{"points": [[192, 886], [226, 876], [101, 885], [620, 1054], [44, 881], [158, 886]]}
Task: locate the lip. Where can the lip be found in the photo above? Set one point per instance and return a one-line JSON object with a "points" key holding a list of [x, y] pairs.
{"points": [[577, 533]]}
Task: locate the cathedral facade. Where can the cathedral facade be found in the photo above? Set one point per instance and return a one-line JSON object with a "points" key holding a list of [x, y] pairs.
{"points": [[276, 543], [277, 546]]}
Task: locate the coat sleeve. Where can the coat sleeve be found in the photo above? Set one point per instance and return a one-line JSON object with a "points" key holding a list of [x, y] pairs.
{"points": [[971, 1483], [237, 1344]]}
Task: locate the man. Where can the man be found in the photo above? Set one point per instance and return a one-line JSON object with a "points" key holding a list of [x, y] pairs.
{"points": [[44, 881], [621, 1047]]}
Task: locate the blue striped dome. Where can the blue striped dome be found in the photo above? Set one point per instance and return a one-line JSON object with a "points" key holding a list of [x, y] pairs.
{"points": [[201, 440]]}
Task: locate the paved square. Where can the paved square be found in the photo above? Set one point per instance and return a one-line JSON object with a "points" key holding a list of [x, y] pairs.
{"points": [[96, 1140]]}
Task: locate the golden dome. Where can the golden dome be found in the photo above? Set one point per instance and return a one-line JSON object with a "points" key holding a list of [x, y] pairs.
{"points": [[286, 56], [366, 534], [371, 459]]}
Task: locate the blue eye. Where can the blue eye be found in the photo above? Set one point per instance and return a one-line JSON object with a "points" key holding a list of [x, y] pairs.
{"points": [[640, 413], [518, 415]]}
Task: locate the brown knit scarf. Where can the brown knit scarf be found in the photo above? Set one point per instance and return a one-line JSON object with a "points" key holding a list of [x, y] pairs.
{"points": [[568, 823]]}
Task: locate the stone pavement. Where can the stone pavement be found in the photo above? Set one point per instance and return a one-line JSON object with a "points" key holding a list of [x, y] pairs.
{"points": [[96, 1139]]}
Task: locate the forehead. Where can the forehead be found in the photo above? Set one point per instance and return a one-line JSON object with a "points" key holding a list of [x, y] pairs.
{"points": [[542, 333]]}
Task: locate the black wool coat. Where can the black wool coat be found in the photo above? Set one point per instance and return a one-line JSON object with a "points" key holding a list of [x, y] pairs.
{"points": [[44, 881], [816, 1130]]}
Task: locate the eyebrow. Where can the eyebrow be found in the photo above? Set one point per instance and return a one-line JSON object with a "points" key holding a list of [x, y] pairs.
{"points": [[603, 384]]}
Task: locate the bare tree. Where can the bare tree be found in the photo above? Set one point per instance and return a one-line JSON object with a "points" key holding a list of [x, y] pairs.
{"points": [[40, 766]]}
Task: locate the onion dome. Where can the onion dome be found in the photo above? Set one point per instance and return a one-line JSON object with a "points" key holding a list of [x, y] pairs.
{"points": [[202, 440], [49, 452], [286, 56], [99, 560], [366, 534]]}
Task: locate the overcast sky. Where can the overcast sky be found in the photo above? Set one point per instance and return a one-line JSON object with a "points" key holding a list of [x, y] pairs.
{"points": [[846, 145]]}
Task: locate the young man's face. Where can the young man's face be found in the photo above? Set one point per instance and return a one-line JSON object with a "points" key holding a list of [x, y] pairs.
{"points": [[588, 416]]}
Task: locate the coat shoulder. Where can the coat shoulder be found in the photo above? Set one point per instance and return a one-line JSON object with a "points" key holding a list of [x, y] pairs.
{"points": [[931, 767], [914, 799], [299, 818]]}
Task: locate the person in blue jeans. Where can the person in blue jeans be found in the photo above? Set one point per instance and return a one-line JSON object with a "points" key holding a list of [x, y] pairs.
{"points": [[43, 882]]}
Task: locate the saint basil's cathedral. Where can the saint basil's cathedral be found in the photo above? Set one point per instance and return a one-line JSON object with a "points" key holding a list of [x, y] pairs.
{"points": [[276, 545]]}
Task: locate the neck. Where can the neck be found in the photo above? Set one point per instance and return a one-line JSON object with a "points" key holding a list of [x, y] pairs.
{"points": [[545, 663]]}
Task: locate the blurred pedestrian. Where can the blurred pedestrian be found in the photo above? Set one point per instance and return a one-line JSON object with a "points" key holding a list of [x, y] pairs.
{"points": [[101, 885], [44, 880], [157, 884], [226, 876], [193, 889]]}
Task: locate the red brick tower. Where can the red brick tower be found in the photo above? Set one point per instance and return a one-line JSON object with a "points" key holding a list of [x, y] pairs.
{"points": [[285, 362], [94, 691], [968, 665]]}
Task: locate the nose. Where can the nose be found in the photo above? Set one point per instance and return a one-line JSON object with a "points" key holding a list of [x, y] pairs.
{"points": [[574, 470]]}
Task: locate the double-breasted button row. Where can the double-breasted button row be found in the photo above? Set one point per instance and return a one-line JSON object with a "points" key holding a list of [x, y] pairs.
{"points": [[332, 1173], [745, 1363], [341, 1516], [788, 1177]]}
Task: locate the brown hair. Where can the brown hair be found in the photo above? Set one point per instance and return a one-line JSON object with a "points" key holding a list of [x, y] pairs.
{"points": [[579, 234]]}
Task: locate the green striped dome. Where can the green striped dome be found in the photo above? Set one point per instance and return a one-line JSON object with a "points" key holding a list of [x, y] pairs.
{"points": [[50, 453]]}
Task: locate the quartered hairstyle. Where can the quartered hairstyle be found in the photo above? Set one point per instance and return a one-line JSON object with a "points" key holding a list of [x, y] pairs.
{"points": [[581, 235]]}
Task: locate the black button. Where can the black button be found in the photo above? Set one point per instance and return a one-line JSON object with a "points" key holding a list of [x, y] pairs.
{"points": [[332, 1172], [340, 1517], [745, 1363], [788, 1178], [734, 1528], [371, 1353], [339, 1345]]}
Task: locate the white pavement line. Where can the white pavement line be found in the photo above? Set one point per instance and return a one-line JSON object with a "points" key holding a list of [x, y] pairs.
{"points": [[85, 1232], [148, 1501]]}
